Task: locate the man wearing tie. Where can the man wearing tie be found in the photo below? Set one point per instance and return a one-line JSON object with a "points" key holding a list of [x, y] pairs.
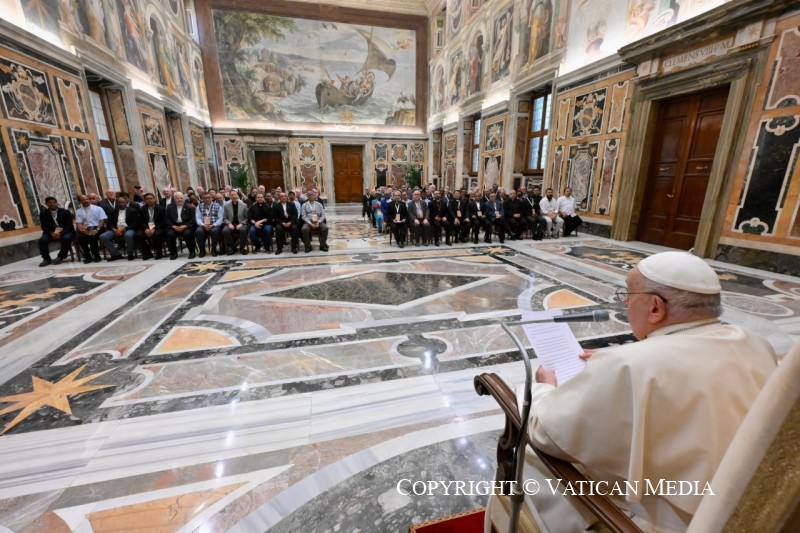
{"points": [[437, 213], [418, 219], [152, 221], [285, 214], [180, 222], [396, 216], [477, 216]]}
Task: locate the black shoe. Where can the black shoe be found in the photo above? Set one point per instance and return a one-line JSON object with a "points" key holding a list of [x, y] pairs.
{"points": [[400, 244], [294, 250], [191, 255], [474, 241], [244, 251], [323, 248], [114, 258], [437, 243], [214, 254], [158, 256], [502, 241], [257, 250], [45, 263], [202, 254], [130, 257], [57, 261], [97, 259], [145, 257], [308, 249], [173, 256], [88, 261], [279, 251], [230, 253]]}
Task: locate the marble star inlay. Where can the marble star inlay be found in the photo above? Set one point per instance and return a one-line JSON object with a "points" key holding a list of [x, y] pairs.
{"points": [[46, 393]]}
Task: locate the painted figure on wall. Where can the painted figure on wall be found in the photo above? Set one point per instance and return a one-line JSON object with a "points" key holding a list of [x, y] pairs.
{"points": [[439, 90], [183, 70], [456, 78], [537, 39], [595, 36], [132, 34], [501, 49], [164, 60], [454, 13], [91, 18], [475, 79], [44, 14], [201, 84]]}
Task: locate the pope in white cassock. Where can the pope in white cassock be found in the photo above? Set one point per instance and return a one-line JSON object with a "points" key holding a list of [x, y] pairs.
{"points": [[665, 407]]}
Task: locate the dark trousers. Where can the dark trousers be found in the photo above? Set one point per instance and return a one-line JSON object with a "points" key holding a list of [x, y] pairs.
{"points": [[500, 228], [515, 226], [172, 240], [264, 235], [423, 230], [46, 239], [227, 236], [437, 229], [280, 235], [90, 245], [477, 224], [322, 232], [571, 223], [152, 245], [201, 235], [462, 229], [400, 231]]}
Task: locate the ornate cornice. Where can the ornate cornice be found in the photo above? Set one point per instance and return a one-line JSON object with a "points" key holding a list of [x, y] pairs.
{"points": [[409, 7]]}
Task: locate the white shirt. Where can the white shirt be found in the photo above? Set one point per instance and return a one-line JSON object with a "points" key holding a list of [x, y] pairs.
{"points": [[566, 205], [121, 218], [548, 205]]}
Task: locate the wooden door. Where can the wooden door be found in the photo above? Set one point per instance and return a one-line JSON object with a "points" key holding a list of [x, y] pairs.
{"points": [[348, 173], [269, 167], [680, 165]]}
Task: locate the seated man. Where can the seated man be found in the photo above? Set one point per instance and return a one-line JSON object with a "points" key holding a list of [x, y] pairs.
{"points": [[235, 220], [459, 216], [497, 216], [314, 220], [261, 221], [56, 226], [566, 209], [91, 220], [397, 218], [438, 213], [663, 408], [418, 219], [181, 222], [478, 219], [122, 223], [514, 221], [152, 220], [209, 221], [285, 214], [541, 223], [548, 207]]}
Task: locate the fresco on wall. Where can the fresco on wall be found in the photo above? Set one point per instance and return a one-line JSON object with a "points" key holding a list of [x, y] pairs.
{"points": [[438, 92], [132, 26], [298, 70], [455, 12], [535, 38], [456, 81], [475, 66], [501, 44], [494, 136]]}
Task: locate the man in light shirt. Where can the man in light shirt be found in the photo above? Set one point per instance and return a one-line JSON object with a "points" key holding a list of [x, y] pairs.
{"points": [[549, 210], [90, 220], [314, 220], [566, 210]]}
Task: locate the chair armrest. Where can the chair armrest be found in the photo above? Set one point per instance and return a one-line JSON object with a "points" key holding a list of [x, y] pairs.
{"points": [[599, 505]]}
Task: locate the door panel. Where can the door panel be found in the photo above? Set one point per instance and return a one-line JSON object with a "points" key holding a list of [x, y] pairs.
{"points": [[269, 168], [680, 167], [348, 172]]}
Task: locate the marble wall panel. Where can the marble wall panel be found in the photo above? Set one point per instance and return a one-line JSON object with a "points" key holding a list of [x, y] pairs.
{"points": [[83, 151], [45, 162], [177, 136], [772, 162], [619, 103], [785, 83], [558, 168], [10, 215], [608, 173], [70, 100], [562, 118], [119, 119], [581, 166], [587, 113], [26, 93]]}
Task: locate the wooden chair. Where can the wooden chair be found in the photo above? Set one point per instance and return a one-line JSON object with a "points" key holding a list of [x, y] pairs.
{"points": [[756, 486]]}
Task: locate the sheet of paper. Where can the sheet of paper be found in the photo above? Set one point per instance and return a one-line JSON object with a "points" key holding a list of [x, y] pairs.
{"points": [[555, 346]]}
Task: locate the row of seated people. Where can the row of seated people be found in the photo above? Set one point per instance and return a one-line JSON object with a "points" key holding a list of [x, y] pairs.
{"points": [[149, 226], [465, 215]]}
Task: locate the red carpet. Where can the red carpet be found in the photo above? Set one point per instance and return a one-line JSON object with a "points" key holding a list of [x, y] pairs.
{"points": [[469, 522]]}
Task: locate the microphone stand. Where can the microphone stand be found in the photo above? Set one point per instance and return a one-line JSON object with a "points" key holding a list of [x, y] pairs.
{"points": [[518, 495]]}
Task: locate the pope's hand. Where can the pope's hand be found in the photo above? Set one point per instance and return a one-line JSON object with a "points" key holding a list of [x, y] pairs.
{"points": [[546, 376], [586, 354]]}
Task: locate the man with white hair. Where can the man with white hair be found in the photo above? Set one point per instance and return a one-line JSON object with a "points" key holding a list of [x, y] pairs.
{"points": [[648, 411]]}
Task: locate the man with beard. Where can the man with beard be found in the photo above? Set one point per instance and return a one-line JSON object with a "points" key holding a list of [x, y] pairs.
{"points": [[459, 216], [514, 221], [549, 210], [56, 226], [151, 235], [122, 223]]}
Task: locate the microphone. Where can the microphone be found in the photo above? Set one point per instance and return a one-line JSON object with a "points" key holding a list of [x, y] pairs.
{"points": [[598, 315]]}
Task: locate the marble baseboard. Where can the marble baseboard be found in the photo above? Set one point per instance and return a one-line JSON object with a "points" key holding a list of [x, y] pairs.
{"points": [[599, 230], [760, 259], [20, 251]]}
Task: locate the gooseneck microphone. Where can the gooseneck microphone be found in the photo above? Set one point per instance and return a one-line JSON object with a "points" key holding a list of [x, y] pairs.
{"points": [[598, 315]]}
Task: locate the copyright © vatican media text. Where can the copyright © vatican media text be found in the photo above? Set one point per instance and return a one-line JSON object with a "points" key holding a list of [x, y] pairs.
{"points": [[662, 487]]}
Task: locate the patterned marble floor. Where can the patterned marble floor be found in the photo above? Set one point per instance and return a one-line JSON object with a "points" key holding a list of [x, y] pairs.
{"points": [[288, 393]]}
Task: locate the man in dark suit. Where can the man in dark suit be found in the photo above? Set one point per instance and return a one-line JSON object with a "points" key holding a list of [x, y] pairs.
{"points": [[180, 222], [56, 226], [109, 203], [123, 223], [418, 219], [137, 195], [166, 199], [285, 213], [151, 228], [459, 216], [437, 213], [514, 221], [477, 217], [497, 216], [366, 205], [261, 223], [397, 217]]}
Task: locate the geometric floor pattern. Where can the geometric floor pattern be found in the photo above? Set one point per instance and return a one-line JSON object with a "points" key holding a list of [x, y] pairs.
{"points": [[292, 392]]}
